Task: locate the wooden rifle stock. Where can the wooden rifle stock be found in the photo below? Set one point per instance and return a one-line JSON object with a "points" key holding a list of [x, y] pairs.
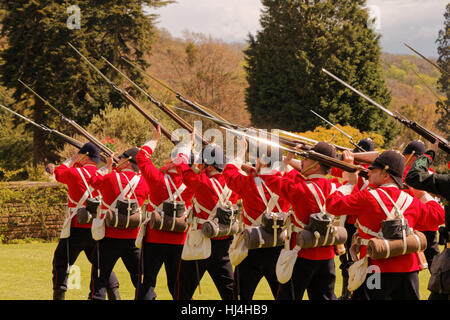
{"points": [[129, 98], [180, 121]]}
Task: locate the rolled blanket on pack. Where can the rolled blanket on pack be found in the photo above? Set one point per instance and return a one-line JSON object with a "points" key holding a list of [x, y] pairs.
{"points": [[382, 248], [213, 229], [307, 239], [122, 221], [165, 222], [258, 237]]}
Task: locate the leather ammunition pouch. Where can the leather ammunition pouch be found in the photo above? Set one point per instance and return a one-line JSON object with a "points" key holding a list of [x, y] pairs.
{"points": [[394, 229], [174, 208], [170, 218], [127, 214], [92, 205], [319, 222], [225, 215], [273, 221], [88, 213]]}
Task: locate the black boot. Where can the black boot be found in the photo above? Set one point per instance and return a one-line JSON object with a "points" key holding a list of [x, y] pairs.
{"points": [[113, 293], [346, 294], [59, 294]]}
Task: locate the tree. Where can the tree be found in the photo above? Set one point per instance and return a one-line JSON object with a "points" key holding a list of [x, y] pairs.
{"points": [[443, 61], [285, 58], [37, 33]]}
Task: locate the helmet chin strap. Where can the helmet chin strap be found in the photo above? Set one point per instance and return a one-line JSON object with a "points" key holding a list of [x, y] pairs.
{"points": [[308, 168]]}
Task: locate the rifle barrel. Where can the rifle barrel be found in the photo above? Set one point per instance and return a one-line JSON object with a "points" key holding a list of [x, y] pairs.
{"points": [[413, 125], [76, 126], [160, 105], [130, 99]]}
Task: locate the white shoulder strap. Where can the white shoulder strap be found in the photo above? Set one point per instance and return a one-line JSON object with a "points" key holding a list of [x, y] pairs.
{"points": [[273, 201], [88, 191], [403, 202], [313, 190], [131, 186], [224, 193], [178, 191]]}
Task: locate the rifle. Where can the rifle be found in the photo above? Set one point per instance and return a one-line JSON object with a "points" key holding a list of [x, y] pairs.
{"points": [[130, 99], [341, 131], [161, 105], [108, 152], [292, 140], [413, 125], [70, 140], [323, 159], [196, 106]]}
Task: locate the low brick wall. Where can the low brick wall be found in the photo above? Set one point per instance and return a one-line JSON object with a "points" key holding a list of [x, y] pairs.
{"points": [[31, 210]]}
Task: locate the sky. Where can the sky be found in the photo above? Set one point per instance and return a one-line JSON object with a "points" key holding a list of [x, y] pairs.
{"points": [[414, 22]]}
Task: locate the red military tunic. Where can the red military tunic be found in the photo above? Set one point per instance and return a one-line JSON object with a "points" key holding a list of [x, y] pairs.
{"points": [[246, 187], [430, 171], [295, 190], [364, 205], [76, 187], [205, 194], [158, 193], [362, 184], [108, 186]]}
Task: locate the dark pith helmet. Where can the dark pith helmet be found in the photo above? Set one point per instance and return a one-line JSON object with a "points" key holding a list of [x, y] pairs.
{"points": [[325, 149], [415, 147], [393, 162], [92, 151], [130, 154], [366, 144], [212, 155]]}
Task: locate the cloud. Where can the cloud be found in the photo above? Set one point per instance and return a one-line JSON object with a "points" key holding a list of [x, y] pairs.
{"points": [[416, 22]]}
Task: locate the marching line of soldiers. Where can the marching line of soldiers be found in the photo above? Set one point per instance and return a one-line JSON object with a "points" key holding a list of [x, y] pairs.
{"points": [[292, 221]]}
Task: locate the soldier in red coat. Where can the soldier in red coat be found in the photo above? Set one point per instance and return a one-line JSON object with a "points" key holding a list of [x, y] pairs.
{"points": [[257, 200], [161, 246], [348, 221], [211, 192], [384, 200], [412, 151], [124, 184], [75, 173], [314, 269]]}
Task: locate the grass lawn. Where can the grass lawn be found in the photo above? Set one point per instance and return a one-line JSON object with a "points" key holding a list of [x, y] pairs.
{"points": [[26, 274]]}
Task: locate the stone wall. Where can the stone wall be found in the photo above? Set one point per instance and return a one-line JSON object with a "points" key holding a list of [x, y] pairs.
{"points": [[31, 210]]}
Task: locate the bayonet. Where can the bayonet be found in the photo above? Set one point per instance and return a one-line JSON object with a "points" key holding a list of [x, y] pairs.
{"points": [[341, 131], [75, 125], [70, 140], [413, 125]]}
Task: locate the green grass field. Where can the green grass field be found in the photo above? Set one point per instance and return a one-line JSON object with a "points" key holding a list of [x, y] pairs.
{"points": [[26, 274]]}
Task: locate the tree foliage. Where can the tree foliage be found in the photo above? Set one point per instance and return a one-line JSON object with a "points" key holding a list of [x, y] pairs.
{"points": [[37, 35], [443, 61], [284, 62]]}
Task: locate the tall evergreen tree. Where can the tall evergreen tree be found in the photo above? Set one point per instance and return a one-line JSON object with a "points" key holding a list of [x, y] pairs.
{"points": [[284, 61], [37, 34], [443, 61]]}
